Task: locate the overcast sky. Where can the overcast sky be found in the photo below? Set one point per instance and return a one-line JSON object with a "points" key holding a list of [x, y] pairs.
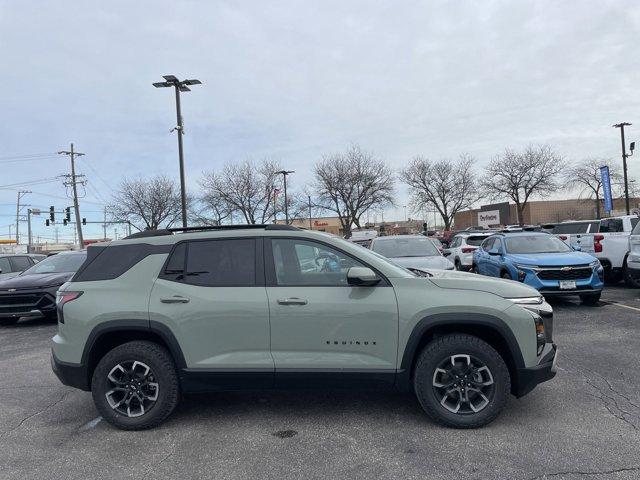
{"points": [[295, 80]]}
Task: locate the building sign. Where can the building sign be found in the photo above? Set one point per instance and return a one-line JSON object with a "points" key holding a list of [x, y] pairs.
{"points": [[606, 188], [488, 218], [318, 223]]}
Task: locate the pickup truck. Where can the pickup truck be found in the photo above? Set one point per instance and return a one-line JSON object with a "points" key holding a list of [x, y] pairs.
{"points": [[606, 239]]}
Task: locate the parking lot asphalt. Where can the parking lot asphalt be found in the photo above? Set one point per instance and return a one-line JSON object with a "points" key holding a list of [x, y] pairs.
{"points": [[585, 423]]}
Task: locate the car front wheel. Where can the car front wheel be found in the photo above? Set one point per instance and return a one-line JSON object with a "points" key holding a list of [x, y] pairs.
{"points": [[135, 385], [461, 381]]}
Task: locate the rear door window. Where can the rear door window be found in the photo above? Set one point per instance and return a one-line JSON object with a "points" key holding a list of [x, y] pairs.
{"points": [[221, 263]]}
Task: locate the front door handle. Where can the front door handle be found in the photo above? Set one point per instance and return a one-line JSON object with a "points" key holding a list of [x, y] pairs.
{"points": [[292, 301], [174, 299]]}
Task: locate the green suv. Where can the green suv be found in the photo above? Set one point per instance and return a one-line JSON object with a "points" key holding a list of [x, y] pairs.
{"points": [[162, 313]]}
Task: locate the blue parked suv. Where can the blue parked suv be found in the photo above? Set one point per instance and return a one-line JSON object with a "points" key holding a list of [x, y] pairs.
{"points": [[541, 261]]}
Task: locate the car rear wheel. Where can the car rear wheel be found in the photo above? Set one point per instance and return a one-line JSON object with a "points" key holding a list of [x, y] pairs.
{"points": [[461, 381], [591, 299], [135, 385]]}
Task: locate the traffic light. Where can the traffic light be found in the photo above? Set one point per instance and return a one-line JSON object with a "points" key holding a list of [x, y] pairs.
{"points": [[84, 221], [52, 214], [64, 222], [68, 214], [47, 222]]}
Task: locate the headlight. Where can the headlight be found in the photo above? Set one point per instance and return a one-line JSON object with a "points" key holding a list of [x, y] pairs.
{"points": [[540, 333], [595, 264], [525, 267], [527, 300]]}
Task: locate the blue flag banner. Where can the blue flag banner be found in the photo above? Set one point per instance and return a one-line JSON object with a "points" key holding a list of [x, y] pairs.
{"points": [[606, 188]]}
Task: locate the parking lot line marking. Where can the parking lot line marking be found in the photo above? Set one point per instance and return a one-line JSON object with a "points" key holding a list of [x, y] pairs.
{"points": [[622, 305], [90, 424]]}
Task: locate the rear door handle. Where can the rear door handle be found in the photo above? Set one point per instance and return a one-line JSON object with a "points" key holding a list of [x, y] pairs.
{"points": [[292, 301], [175, 299]]}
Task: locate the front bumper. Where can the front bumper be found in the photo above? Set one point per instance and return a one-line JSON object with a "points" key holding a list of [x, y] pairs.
{"points": [[546, 369], [70, 374], [589, 285]]}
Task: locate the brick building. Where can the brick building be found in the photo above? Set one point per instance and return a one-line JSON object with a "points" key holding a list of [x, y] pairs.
{"points": [[537, 212]]}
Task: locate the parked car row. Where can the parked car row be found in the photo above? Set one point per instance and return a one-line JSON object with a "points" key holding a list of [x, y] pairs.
{"points": [[32, 293]]}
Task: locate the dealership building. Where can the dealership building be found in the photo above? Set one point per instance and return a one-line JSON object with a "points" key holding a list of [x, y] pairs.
{"points": [[538, 212]]}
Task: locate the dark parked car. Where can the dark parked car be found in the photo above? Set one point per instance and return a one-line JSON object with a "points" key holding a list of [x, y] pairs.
{"points": [[33, 292]]}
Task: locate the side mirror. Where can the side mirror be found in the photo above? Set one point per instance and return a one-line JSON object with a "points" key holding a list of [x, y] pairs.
{"points": [[0, 270], [362, 277], [494, 251], [446, 253]]}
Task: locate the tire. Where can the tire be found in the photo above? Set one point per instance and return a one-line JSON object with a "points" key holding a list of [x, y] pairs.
{"points": [[628, 279], [457, 264], [591, 299], [130, 360], [506, 275], [6, 322], [432, 361], [474, 269]]}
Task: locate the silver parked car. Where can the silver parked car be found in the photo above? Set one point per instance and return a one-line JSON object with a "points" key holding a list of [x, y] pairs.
{"points": [[411, 251], [12, 264]]}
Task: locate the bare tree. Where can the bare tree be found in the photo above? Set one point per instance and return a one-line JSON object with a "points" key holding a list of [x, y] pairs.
{"points": [[147, 203], [446, 185], [246, 188], [351, 183], [213, 210], [586, 177], [519, 175]]}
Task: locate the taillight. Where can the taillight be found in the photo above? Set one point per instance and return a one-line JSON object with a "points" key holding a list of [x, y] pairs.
{"points": [[468, 249], [597, 246], [563, 237], [63, 298]]}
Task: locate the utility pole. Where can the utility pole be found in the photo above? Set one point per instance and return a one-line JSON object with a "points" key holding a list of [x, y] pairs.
{"points": [[310, 226], [29, 213], [21, 194], [284, 174], [624, 162], [104, 225], [180, 86], [74, 184], [56, 230]]}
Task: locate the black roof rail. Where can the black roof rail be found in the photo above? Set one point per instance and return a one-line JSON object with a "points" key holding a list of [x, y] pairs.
{"points": [[264, 226], [170, 231]]}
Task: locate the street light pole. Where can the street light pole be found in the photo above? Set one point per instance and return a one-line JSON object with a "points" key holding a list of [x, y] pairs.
{"points": [[179, 86], [284, 174], [624, 162]]}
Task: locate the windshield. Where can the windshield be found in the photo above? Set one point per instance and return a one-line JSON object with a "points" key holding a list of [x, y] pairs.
{"points": [[405, 247], [60, 263], [535, 244]]}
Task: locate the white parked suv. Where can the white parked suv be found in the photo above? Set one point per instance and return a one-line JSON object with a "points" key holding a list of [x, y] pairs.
{"points": [[462, 246], [633, 259], [606, 239]]}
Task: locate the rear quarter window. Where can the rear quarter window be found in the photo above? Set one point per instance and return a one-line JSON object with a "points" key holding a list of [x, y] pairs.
{"points": [[112, 261], [475, 241]]}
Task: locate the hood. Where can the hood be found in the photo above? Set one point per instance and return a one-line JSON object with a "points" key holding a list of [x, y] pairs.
{"points": [[35, 280], [433, 262], [472, 281], [552, 259]]}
